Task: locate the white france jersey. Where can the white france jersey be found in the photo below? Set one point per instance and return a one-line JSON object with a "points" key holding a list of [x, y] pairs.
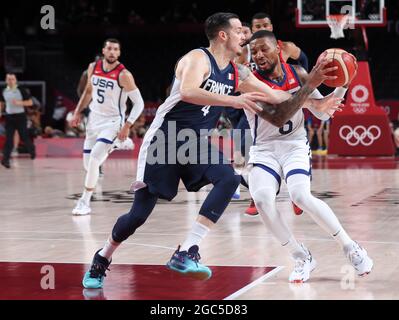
{"points": [[264, 132], [108, 97]]}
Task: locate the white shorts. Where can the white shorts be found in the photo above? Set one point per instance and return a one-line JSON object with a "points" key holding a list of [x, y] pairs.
{"points": [[282, 158], [100, 128]]}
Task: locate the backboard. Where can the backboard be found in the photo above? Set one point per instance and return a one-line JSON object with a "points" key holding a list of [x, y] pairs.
{"points": [[314, 13]]}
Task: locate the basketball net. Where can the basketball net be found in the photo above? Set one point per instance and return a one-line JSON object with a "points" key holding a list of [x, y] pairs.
{"points": [[337, 23]]}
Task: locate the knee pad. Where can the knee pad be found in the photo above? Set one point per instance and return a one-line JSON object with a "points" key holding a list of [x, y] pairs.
{"points": [[126, 226], [142, 207], [230, 182], [299, 195], [100, 152], [264, 197]]}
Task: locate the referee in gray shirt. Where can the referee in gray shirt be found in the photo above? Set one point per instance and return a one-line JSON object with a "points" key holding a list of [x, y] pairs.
{"points": [[13, 100]]}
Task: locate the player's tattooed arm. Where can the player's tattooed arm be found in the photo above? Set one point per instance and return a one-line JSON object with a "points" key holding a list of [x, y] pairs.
{"points": [[321, 107], [280, 106], [279, 114]]}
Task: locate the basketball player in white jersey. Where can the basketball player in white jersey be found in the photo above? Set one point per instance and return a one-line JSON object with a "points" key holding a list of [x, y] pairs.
{"points": [[285, 153], [108, 87]]}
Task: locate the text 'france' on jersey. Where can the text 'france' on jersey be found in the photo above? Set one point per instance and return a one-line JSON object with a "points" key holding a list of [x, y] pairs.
{"points": [[195, 117]]}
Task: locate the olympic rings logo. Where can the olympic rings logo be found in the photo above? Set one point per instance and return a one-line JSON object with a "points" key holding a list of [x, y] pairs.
{"points": [[359, 134]]}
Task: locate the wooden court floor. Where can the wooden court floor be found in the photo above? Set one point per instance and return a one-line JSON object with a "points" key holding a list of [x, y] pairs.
{"points": [[38, 230]]}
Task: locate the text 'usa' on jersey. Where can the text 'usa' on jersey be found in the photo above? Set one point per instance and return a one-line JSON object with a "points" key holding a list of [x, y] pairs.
{"points": [[108, 97], [188, 115]]}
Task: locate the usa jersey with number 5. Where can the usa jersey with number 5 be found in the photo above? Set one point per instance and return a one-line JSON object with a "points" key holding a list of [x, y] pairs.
{"points": [[108, 97]]}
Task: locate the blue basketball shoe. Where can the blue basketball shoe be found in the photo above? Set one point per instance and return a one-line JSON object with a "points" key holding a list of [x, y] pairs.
{"points": [[187, 263], [94, 278]]}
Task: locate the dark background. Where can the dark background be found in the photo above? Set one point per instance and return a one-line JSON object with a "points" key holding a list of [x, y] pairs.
{"points": [[154, 35]]}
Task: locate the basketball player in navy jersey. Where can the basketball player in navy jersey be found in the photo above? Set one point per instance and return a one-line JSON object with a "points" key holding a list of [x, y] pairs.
{"points": [[284, 152], [205, 81], [108, 87]]}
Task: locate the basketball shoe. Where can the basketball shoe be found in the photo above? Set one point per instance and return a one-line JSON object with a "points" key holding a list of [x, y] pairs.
{"points": [[94, 278], [302, 268], [252, 210], [81, 209], [236, 194], [359, 259], [6, 164], [187, 263]]}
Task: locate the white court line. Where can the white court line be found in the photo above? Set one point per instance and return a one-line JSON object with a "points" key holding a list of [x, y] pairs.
{"points": [[128, 263], [253, 284], [183, 235], [91, 241]]}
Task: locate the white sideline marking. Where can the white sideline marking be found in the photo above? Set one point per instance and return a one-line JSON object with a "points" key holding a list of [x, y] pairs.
{"points": [[253, 284]]}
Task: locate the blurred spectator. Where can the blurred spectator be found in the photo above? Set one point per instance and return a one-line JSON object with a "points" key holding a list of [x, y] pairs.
{"points": [[318, 133], [34, 118], [396, 139], [395, 134], [134, 18], [59, 114], [49, 132], [92, 15], [139, 128], [2, 127]]}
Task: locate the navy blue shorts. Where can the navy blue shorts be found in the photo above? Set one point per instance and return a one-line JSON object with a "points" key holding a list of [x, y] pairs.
{"points": [[163, 177]]}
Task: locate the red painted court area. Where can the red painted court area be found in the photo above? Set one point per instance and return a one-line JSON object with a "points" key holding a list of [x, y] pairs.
{"points": [[334, 162], [22, 281]]}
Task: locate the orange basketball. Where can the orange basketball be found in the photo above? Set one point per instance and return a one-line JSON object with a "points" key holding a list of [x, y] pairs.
{"points": [[346, 63]]}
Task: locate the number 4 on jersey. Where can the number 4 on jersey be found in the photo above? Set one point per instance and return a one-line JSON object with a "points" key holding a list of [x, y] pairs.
{"points": [[205, 110]]}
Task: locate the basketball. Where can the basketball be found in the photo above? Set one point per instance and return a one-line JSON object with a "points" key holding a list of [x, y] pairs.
{"points": [[346, 63]]}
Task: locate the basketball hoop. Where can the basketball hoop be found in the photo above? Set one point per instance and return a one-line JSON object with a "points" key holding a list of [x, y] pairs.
{"points": [[337, 23]]}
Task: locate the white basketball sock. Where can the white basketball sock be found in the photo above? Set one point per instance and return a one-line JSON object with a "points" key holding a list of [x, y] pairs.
{"points": [[343, 238], [197, 234], [295, 249], [86, 196], [108, 250]]}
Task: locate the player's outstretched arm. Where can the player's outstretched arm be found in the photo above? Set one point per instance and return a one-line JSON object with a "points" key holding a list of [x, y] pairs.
{"points": [[84, 99], [276, 111], [192, 70], [322, 107], [129, 86]]}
